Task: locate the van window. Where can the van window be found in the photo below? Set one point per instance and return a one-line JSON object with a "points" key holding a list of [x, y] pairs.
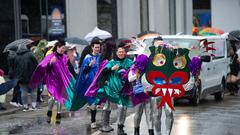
{"points": [[191, 44], [219, 45]]}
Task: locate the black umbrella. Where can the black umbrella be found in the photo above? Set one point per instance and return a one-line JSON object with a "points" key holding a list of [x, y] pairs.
{"points": [[20, 43], [76, 40], [234, 35], [6, 86]]}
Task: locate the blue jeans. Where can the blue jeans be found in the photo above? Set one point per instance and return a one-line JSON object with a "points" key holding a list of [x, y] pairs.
{"points": [[25, 90]]}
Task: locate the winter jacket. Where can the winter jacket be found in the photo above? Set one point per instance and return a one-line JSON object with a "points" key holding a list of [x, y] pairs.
{"points": [[24, 65]]}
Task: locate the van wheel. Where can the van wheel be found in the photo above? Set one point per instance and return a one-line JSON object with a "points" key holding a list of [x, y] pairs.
{"points": [[219, 96], [196, 98]]}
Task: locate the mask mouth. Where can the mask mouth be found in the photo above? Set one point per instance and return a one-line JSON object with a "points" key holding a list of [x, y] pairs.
{"points": [[172, 85], [176, 91]]}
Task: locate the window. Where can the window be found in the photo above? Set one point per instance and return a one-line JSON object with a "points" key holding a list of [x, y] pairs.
{"points": [[191, 44], [219, 45], [104, 15], [201, 14], [7, 31]]}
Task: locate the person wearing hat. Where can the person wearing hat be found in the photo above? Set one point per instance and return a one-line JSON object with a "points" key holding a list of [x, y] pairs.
{"points": [[88, 67], [157, 41]]}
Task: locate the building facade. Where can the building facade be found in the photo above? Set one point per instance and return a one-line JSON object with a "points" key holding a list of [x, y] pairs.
{"points": [[123, 18]]}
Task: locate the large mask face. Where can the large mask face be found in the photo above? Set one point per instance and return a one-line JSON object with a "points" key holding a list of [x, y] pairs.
{"points": [[167, 70]]}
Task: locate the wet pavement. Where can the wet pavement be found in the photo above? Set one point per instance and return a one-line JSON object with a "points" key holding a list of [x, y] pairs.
{"points": [[209, 118]]}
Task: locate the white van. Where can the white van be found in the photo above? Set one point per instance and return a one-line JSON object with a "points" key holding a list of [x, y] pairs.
{"points": [[213, 73], [214, 69]]}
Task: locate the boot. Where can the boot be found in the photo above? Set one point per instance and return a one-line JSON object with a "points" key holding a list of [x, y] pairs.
{"points": [[136, 131], [58, 118], [151, 131], [106, 119], [49, 115], [93, 119], [120, 130]]}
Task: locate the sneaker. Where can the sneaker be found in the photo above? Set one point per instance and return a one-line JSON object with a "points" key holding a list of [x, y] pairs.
{"points": [[13, 104], [20, 105], [25, 109], [32, 109], [94, 125]]}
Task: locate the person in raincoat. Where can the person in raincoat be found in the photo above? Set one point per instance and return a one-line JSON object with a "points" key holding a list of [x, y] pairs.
{"points": [[39, 52], [107, 50], [88, 69], [53, 71], [113, 87]]}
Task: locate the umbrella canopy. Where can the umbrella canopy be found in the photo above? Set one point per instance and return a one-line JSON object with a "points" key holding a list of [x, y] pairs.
{"points": [[51, 43], [76, 41], [102, 34], [234, 35], [141, 43], [20, 43], [210, 31], [6, 86]]}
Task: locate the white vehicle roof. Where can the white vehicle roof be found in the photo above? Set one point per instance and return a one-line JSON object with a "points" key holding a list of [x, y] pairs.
{"points": [[223, 36]]}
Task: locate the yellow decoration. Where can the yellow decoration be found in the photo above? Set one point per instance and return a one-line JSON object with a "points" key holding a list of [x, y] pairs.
{"points": [[159, 60], [180, 62]]}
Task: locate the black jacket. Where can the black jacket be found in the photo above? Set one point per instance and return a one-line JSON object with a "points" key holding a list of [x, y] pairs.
{"points": [[24, 65]]}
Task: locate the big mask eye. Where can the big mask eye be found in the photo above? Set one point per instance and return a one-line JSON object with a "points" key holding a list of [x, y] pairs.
{"points": [[176, 80], [180, 62], [159, 60], [159, 81]]}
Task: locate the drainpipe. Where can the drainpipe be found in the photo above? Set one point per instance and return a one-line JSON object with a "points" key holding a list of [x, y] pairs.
{"points": [[114, 19], [185, 16], [17, 18]]}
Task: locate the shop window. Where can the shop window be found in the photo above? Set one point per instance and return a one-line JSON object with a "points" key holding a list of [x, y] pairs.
{"points": [[201, 14], [7, 31], [104, 15]]}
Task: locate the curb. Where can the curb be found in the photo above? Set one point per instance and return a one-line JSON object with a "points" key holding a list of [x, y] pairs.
{"points": [[9, 111]]}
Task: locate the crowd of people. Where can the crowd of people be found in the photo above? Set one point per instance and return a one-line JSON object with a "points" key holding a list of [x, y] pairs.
{"points": [[101, 74]]}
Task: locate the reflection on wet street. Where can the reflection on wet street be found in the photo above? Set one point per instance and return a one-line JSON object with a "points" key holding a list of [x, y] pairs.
{"points": [[184, 127], [209, 118]]}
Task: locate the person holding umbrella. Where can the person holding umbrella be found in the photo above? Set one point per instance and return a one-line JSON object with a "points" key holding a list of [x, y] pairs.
{"points": [[25, 64], [232, 77]]}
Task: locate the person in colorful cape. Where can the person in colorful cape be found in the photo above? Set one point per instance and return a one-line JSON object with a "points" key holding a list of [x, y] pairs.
{"points": [[54, 72], [113, 83], [135, 76], [86, 75], [39, 54], [108, 48]]}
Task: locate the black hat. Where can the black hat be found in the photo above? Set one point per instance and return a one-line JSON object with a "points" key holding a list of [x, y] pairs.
{"points": [[157, 38], [96, 40], [123, 43]]}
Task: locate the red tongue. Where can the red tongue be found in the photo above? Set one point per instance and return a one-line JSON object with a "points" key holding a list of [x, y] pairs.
{"points": [[167, 98]]}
